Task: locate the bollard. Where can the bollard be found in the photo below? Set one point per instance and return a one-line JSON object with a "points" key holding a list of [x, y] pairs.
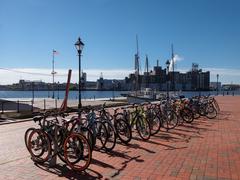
{"points": [[56, 103], [32, 105], [2, 108], [17, 106], [44, 104]]}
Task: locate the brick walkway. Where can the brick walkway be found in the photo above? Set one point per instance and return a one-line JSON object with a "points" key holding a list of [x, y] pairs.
{"points": [[205, 149]]}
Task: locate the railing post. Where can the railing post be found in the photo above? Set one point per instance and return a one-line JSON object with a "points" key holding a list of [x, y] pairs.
{"points": [[17, 106], [32, 105], [44, 104], [56, 103], [2, 107]]}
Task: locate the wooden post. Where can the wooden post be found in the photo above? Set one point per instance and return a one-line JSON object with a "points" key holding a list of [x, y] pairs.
{"points": [[64, 103]]}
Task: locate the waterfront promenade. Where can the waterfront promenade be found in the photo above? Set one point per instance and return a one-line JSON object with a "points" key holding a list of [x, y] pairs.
{"points": [[205, 149]]}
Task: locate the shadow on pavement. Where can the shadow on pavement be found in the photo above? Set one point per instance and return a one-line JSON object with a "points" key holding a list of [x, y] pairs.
{"points": [[137, 146], [125, 163], [64, 171], [101, 163]]}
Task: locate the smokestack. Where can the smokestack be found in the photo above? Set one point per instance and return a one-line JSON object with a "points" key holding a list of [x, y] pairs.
{"points": [[157, 62]]}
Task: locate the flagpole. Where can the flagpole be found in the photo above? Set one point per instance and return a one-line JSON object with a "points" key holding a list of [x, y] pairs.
{"points": [[53, 95]]}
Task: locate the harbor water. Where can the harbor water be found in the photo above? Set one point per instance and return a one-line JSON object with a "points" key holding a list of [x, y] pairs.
{"points": [[94, 94]]}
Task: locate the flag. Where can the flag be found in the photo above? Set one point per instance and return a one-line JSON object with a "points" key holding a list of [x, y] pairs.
{"points": [[55, 52]]}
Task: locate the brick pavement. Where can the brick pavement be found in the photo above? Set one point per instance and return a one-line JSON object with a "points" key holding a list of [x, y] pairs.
{"points": [[205, 149]]}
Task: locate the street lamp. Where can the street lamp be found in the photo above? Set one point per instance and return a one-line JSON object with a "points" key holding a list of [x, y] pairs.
{"points": [[217, 83], [167, 64], [79, 46]]}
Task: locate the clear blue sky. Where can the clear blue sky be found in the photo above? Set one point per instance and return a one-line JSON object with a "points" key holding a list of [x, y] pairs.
{"points": [[202, 31]]}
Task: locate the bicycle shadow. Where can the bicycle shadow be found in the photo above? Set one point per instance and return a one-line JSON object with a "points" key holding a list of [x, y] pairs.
{"points": [[63, 171], [102, 164], [169, 138], [123, 155], [125, 163], [128, 146]]}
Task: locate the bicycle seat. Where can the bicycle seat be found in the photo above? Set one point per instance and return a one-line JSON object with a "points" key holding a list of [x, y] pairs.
{"points": [[37, 118]]}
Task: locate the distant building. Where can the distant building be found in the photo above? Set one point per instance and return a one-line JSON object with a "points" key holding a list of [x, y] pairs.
{"points": [[231, 87], [215, 85], [110, 84], [83, 80], [195, 79]]}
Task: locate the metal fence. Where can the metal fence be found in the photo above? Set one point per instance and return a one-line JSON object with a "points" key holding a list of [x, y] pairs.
{"points": [[30, 105]]}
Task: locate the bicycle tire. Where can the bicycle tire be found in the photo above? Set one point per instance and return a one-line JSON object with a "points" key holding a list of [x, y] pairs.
{"points": [[26, 136], [211, 112], [123, 129], [84, 145], [143, 128], [187, 115], [171, 119], [155, 124], [111, 136], [99, 131], [79, 128], [45, 141]]}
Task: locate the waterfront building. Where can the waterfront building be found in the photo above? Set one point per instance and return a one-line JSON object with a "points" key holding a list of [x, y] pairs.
{"points": [[215, 85], [193, 80]]}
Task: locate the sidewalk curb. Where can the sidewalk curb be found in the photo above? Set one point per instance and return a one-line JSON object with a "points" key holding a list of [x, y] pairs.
{"points": [[17, 121]]}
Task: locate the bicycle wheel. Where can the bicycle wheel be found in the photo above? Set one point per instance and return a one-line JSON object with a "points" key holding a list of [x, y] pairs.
{"points": [[196, 115], [77, 152], [143, 128], [155, 124], [39, 146], [79, 128], [170, 120], [202, 110], [99, 131], [211, 111], [187, 115], [26, 136], [216, 105], [89, 135], [111, 136], [59, 142], [123, 130]]}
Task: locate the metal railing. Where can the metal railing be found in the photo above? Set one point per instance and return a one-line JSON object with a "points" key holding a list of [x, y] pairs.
{"points": [[28, 105]]}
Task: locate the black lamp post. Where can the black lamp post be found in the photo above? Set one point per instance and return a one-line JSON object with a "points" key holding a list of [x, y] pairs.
{"points": [[79, 46], [167, 64], [217, 83]]}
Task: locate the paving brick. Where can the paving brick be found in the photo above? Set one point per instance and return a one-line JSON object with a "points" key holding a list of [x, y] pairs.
{"points": [[205, 149]]}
